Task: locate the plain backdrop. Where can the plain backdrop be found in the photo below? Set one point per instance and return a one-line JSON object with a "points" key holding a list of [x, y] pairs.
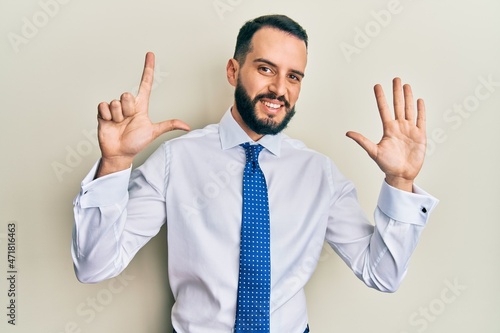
{"points": [[60, 58]]}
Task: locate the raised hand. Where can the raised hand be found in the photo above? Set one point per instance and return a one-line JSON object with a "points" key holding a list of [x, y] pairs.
{"points": [[401, 151], [124, 127]]}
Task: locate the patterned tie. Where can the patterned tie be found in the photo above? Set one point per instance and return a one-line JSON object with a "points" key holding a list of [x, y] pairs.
{"points": [[254, 285]]}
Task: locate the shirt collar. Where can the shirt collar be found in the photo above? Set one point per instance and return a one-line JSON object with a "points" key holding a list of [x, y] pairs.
{"points": [[231, 135]]}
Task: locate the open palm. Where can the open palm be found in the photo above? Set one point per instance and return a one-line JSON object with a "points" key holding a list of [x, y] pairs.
{"points": [[401, 151]]}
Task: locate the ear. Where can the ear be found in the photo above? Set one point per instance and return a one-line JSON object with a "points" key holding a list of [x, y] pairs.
{"points": [[232, 70]]}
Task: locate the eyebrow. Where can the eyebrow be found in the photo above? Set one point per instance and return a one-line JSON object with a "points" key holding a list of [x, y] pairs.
{"points": [[274, 65]]}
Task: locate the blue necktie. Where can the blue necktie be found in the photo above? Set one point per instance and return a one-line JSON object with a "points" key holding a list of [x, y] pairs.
{"points": [[254, 284]]}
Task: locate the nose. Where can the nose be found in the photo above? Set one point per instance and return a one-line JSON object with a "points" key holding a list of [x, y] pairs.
{"points": [[278, 86]]}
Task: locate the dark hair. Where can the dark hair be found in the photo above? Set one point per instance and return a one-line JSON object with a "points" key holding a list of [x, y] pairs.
{"points": [[280, 22]]}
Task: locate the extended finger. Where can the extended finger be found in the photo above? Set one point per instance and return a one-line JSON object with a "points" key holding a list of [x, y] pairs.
{"points": [[365, 143], [421, 114], [147, 77], [409, 108], [116, 110], [128, 104], [383, 107], [398, 98], [103, 111], [170, 125]]}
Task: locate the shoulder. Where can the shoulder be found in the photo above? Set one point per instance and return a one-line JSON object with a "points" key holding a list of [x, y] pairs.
{"points": [[296, 147], [297, 153], [311, 162], [195, 138]]}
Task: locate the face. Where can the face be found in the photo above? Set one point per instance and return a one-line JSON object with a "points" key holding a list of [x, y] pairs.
{"points": [[268, 84], [248, 111]]}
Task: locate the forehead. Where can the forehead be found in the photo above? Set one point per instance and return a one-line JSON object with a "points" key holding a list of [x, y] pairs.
{"points": [[279, 47]]}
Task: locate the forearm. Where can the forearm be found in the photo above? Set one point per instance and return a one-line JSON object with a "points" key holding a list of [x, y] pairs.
{"points": [[385, 262], [96, 250], [99, 218], [115, 216], [379, 254], [400, 218]]}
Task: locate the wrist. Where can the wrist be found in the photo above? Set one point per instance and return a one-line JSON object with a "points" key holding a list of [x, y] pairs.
{"points": [[400, 183], [114, 164]]}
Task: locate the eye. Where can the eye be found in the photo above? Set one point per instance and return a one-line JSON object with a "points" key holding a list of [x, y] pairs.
{"points": [[294, 77], [265, 69]]}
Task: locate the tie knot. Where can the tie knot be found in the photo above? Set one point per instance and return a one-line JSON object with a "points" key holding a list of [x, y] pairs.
{"points": [[252, 151]]}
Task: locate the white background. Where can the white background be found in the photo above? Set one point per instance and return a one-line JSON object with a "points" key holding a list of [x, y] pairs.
{"points": [[59, 59]]}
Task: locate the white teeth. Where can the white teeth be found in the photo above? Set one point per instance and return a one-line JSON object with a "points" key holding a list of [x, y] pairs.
{"points": [[271, 105]]}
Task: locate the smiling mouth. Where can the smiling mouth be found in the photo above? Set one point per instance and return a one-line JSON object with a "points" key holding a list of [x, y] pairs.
{"points": [[272, 107]]}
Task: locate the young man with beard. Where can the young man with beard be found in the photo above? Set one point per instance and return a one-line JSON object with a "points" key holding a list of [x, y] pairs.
{"points": [[194, 185]]}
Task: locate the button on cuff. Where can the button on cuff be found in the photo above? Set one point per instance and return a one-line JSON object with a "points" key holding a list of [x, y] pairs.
{"points": [[404, 206]]}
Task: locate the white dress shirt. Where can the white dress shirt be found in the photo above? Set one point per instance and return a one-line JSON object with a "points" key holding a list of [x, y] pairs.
{"points": [[193, 184]]}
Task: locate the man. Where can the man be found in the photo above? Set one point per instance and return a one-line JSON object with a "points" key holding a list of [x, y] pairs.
{"points": [[194, 185]]}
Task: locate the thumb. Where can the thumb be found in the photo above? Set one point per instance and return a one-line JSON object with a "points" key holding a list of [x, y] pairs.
{"points": [[170, 125], [366, 144]]}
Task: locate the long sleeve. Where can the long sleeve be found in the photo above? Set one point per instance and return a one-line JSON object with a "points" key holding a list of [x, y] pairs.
{"points": [[378, 255], [194, 184], [115, 216]]}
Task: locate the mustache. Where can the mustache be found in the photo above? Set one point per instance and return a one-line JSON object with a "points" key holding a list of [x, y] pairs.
{"points": [[272, 96]]}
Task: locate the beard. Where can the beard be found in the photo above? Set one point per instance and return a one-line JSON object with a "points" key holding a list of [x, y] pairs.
{"points": [[248, 111]]}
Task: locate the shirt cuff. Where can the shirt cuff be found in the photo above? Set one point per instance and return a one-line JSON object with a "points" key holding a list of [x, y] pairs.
{"points": [[407, 207], [103, 191]]}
